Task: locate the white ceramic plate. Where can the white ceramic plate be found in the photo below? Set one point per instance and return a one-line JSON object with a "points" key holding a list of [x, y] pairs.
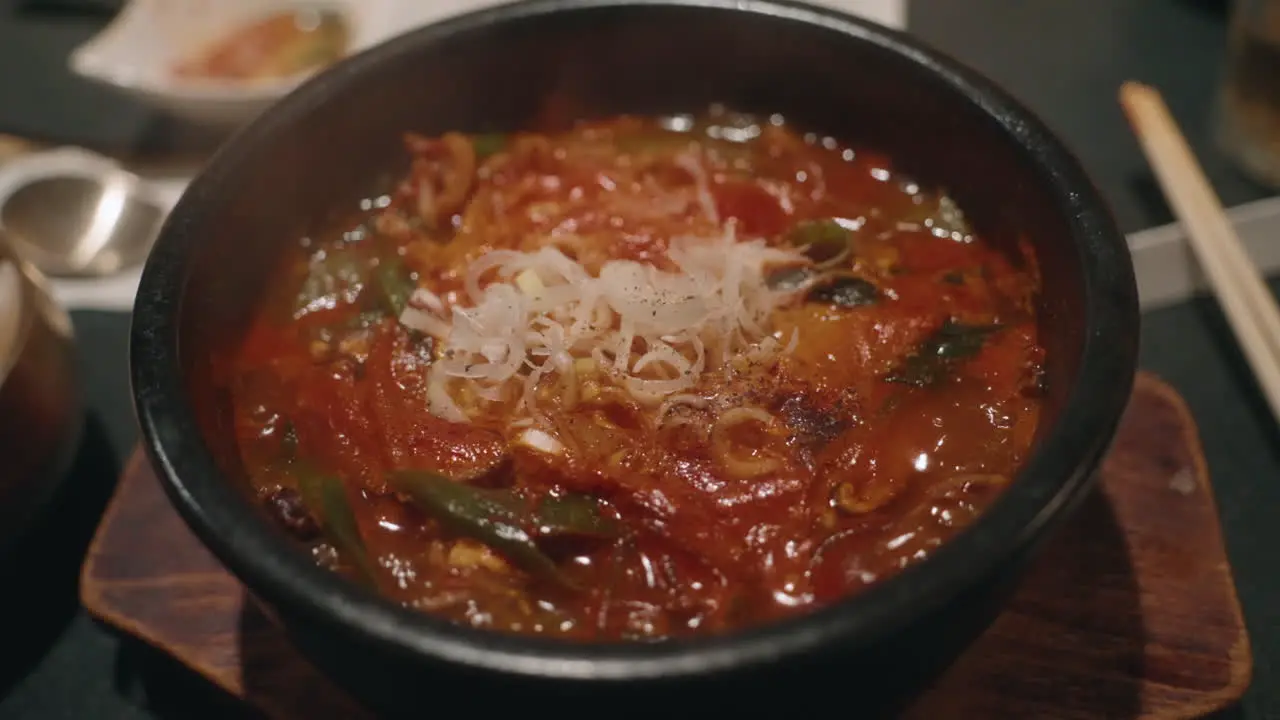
{"points": [[137, 50]]}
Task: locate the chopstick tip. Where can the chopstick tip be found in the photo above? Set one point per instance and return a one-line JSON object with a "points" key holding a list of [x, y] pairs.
{"points": [[1139, 100], [1132, 89]]}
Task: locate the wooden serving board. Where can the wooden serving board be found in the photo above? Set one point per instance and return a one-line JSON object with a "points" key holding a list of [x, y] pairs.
{"points": [[1129, 613]]}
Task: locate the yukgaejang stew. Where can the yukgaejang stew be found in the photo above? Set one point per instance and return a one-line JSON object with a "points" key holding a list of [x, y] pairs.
{"points": [[643, 379]]}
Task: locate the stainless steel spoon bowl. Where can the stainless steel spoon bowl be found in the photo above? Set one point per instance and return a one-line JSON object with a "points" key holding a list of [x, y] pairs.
{"points": [[81, 225]]}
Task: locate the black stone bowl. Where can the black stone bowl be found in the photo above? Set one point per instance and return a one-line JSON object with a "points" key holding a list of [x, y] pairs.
{"points": [[318, 151]]}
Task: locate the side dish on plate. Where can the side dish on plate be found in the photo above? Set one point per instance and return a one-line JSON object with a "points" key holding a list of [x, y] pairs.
{"points": [[277, 45], [647, 378]]}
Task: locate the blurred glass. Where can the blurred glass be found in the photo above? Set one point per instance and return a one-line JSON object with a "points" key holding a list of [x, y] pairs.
{"points": [[1248, 122]]}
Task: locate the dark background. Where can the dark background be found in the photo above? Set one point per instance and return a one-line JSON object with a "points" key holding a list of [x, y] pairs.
{"points": [[1064, 58]]}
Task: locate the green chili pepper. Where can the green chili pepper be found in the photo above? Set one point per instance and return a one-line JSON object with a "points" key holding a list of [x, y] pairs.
{"points": [[826, 242], [846, 292], [577, 515], [395, 284], [789, 278], [502, 520], [930, 362], [488, 144], [474, 513], [326, 496]]}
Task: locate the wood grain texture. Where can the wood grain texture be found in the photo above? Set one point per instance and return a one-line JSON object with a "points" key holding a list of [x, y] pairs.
{"points": [[1130, 612], [147, 575]]}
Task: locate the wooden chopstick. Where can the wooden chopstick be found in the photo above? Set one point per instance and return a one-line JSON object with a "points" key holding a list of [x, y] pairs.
{"points": [[1249, 306]]}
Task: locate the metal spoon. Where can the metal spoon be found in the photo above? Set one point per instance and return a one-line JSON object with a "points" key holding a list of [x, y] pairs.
{"points": [[82, 225]]}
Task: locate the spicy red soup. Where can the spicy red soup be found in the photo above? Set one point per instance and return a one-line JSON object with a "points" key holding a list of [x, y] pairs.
{"points": [[647, 378]]}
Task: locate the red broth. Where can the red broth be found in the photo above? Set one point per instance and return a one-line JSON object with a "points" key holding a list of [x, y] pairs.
{"points": [[643, 379]]}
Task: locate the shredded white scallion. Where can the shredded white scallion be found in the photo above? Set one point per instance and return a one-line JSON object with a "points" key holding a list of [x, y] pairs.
{"points": [[652, 332]]}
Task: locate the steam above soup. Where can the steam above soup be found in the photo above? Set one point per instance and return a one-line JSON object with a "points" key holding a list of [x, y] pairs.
{"points": [[646, 378]]}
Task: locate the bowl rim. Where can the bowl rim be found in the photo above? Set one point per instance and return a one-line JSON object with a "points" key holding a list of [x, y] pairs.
{"points": [[1052, 479]]}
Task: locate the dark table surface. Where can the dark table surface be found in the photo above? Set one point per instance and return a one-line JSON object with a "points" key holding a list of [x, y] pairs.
{"points": [[1065, 59]]}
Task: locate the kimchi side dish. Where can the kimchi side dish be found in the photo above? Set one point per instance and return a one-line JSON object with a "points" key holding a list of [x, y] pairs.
{"points": [[275, 46], [647, 378]]}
